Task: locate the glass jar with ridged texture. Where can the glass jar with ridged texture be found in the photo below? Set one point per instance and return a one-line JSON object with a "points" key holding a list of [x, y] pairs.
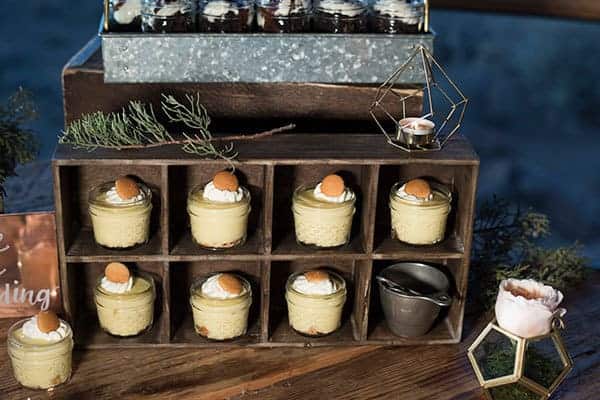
{"points": [[169, 16], [340, 16], [398, 16], [283, 16]]}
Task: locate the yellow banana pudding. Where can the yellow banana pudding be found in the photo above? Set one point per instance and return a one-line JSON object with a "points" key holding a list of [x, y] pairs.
{"points": [[220, 305], [40, 350], [323, 213], [419, 211], [315, 301], [125, 303], [219, 212], [120, 213]]}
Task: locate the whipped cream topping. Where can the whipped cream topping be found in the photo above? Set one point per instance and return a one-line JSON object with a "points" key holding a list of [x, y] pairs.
{"points": [[346, 195], [126, 12], [212, 288], [347, 8], [219, 8], [170, 9], [324, 287], [113, 197], [223, 196], [410, 11], [401, 192], [114, 287], [287, 7], [31, 330]]}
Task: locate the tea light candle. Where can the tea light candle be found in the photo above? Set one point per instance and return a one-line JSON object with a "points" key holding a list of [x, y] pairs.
{"points": [[417, 126]]}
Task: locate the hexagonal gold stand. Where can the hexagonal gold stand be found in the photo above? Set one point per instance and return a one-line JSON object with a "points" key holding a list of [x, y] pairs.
{"points": [[511, 367]]}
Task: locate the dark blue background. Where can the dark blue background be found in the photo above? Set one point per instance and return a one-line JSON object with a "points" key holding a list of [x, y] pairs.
{"points": [[533, 117]]}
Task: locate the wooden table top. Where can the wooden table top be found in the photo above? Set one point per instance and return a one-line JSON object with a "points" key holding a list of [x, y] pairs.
{"points": [[361, 372]]}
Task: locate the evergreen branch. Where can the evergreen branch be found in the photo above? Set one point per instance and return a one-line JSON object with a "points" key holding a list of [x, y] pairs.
{"points": [[18, 144], [506, 245], [137, 127]]}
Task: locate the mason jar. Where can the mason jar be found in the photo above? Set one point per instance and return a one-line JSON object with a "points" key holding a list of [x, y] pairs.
{"points": [[215, 224], [320, 223], [39, 365], [283, 16], [220, 319], [398, 16], [226, 16], [126, 314], [420, 222], [120, 225], [315, 314], [169, 16], [125, 15], [340, 16]]}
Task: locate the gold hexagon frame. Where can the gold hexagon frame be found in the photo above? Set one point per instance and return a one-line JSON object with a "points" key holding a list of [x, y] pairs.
{"points": [[518, 377], [453, 112]]}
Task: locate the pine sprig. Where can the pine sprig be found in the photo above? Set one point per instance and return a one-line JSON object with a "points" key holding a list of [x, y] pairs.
{"points": [[137, 126], [506, 244]]}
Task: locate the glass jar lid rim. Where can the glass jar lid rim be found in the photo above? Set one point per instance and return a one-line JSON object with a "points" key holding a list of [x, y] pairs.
{"points": [[196, 286], [42, 347], [138, 274], [333, 274]]}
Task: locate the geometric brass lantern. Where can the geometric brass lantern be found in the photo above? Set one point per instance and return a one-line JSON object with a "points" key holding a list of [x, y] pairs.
{"points": [[511, 367], [443, 105]]}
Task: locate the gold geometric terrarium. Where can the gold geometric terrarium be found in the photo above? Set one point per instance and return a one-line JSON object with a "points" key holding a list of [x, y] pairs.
{"points": [[443, 105], [510, 367]]}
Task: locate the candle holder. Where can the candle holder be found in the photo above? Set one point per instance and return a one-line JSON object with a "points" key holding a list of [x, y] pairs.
{"points": [[444, 105], [510, 367]]}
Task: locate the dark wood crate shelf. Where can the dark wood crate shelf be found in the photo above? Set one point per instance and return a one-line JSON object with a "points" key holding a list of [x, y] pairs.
{"points": [[83, 244], [271, 168], [392, 249]]}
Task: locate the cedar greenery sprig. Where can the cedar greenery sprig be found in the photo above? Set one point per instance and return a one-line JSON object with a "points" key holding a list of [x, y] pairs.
{"points": [[137, 126], [506, 244], [18, 144]]}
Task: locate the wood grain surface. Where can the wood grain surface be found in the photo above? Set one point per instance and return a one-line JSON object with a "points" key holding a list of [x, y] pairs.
{"points": [[364, 372]]}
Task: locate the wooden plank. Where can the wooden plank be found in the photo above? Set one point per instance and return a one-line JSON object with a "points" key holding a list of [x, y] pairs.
{"points": [[582, 9], [282, 149]]}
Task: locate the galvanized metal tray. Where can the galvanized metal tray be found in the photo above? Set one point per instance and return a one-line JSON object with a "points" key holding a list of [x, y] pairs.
{"points": [[258, 57]]}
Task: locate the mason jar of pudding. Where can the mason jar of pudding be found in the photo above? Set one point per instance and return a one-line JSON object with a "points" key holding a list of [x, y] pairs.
{"points": [[219, 212], [340, 16], [226, 16], [283, 16], [169, 16], [315, 301], [419, 211], [40, 351], [220, 306], [120, 213], [124, 302], [398, 16], [323, 213], [125, 15]]}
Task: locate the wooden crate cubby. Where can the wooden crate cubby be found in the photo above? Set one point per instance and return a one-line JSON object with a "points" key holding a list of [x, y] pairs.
{"points": [[271, 168]]}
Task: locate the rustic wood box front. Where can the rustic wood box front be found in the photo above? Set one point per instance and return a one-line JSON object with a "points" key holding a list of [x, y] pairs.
{"points": [[271, 168]]}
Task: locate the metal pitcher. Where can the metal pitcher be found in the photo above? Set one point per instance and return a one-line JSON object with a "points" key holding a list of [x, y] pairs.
{"points": [[412, 295]]}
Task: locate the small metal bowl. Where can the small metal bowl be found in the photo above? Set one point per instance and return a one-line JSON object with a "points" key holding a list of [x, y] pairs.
{"points": [[412, 310]]}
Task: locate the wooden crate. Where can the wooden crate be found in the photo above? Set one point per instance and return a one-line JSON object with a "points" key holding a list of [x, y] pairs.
{"points": [[271, 168]]}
